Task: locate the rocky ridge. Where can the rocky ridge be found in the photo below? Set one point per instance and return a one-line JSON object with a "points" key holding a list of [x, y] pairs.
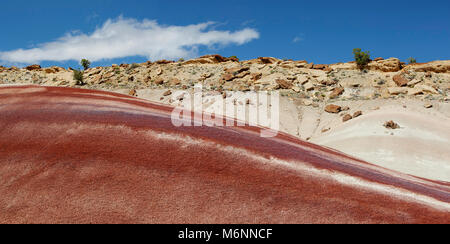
{"points": [[314, 83]]}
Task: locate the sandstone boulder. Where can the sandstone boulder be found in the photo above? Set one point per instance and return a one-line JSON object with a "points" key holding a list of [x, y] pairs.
{"points": [[357, 114], [210, 59], [159, 81], [96, 79], [216, 58], [296, 89], [431, 67], [428, 105], [426, 89], [256, 76], [386, 65], [243, 88], [199, 61], [174, 81], [328, 69], [242, 74], [228, 77], [159, 71], [33, 67], [414, 82], [288, 65], [397, 90], [237, 70], [309, 86], [268, 60], [346, 117], [164, 62], [391, 125], [307, 102], [50, 71], [343, 66], [320, 66], [337, 92], [300, 64], [132, 92], [331, 108], [94, 71], [309, 66], [302, 79], [414, 91], [400, 80], [284, 84], [325, 130]]}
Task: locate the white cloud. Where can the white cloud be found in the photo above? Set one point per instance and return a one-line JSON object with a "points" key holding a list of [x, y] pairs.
{"points": [[125, 37], [297, 39]]}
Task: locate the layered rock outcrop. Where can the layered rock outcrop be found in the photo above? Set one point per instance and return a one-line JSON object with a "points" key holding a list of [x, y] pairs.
{"points": [[435, 67], [315, 82]]}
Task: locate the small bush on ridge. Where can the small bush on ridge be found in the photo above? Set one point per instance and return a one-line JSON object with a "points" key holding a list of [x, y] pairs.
{"points": [[362, 58]]}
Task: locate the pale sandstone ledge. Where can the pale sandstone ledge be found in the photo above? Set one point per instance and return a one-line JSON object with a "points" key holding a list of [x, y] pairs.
{"points": [[316, 83], [436, 67]]}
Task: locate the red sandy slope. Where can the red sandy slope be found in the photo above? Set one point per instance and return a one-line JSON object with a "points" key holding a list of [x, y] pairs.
{"points": [[78, 156]]}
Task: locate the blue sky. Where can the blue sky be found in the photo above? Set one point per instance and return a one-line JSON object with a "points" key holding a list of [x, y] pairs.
{"points": [[317, 31]]}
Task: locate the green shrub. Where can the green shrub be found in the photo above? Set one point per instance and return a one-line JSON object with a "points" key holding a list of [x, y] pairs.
{"points": [[78, 77], [134, 66], [362, 58], [85, 63], [412, 60]]}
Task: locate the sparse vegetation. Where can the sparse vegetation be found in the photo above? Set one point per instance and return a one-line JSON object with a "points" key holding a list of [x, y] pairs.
{"points": [[117, 70], [134, 66], [412, 60], [78, 77], [362, 58], [85, 63]]}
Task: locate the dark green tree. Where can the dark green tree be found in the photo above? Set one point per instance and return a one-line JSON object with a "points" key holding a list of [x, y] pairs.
{"points": [[362, 58], [412, 60], [78, 77], [85, 63]]}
